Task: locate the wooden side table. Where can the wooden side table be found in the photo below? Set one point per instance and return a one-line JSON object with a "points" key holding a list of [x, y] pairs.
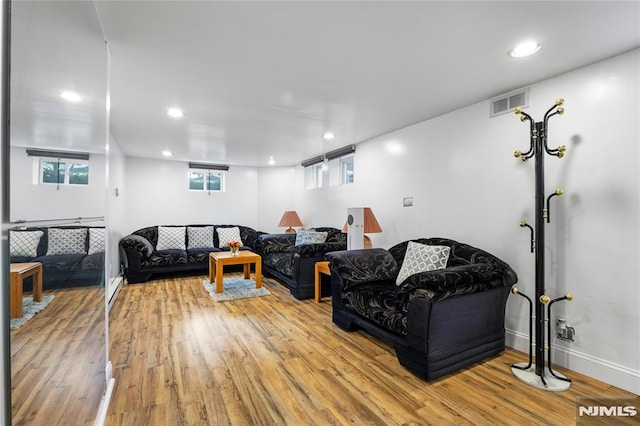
{"points": [[20, 271], [321, 268]]}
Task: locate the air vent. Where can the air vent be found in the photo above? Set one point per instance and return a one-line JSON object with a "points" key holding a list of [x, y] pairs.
{"points": [[509, 102]]}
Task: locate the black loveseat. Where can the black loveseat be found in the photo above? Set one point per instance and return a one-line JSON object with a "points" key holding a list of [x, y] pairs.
{"points": [[70, 255], [294, 265], [438, 321], [140, 257]]}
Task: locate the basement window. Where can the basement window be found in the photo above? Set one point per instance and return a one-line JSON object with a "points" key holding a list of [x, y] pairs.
{"points": [[63, 172], [206, 180]]}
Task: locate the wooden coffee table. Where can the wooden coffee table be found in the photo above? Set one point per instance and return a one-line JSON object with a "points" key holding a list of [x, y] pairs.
{"points": [[20, 271], [218, 259]]}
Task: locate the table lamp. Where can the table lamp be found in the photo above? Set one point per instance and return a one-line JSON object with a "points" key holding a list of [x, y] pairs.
{"points": [[290, 218]]}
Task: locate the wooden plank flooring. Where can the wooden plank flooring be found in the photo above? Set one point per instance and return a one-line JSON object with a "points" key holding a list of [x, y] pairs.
{"points": [[58, 361], [181, 359]]}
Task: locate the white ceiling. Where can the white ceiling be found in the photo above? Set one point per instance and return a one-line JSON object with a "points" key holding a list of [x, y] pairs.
{"points": [[261, 79]]}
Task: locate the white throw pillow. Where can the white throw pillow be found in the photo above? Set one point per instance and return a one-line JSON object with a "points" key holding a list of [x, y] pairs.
{"points": [[225, 235], [422, 258], [96, 240], [66, 241], [171, 238], [200, 236], [310, 237], [24, 243]]}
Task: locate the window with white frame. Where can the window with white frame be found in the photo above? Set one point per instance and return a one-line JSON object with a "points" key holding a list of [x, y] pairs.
{"points": [[206, 180], [63, 171], [207, 177], [313, 176], [346, 169]]}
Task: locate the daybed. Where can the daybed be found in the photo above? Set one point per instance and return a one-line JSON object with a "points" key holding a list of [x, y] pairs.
{"points": [[437, 321], [70, 255], [293, 263], [185, 248]]}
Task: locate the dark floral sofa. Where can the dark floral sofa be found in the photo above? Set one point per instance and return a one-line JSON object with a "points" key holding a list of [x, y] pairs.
{"points": [[437, 321], [141, 257], [294, 265], [70, 255]]}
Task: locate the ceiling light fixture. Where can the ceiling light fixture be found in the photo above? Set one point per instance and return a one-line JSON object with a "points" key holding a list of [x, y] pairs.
{"points": [[328, 136], [167, 153], [271, 161], [525, 49], [70, 96], [175, 112]]}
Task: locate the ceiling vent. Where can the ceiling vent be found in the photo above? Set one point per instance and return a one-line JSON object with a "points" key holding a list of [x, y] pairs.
{"points": [[509, 102]]}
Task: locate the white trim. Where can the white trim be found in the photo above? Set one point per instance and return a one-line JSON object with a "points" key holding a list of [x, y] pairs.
{"points": [[114, 288], [598, 368]]}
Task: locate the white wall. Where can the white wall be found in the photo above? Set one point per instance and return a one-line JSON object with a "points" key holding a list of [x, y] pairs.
{"points": [[276, 188], [34, 202], [157, 193], [117, 215], [466, 185]]}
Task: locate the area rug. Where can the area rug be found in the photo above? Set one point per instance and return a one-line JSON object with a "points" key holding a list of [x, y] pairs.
{"points": [[29, 309], [235, 288]]}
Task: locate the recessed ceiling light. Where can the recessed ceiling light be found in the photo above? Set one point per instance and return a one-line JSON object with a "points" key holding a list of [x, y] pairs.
{"points": [[167, 153], [70, 96], [175, 112], [525, 49], [328, 136], [271, 161]]}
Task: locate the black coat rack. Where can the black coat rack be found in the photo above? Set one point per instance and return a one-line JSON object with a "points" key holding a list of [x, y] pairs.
{"points": [[541, 376]]}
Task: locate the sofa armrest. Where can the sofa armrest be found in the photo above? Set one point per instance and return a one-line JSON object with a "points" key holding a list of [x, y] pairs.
{"points": [[318, 250], [137, 243], [449, 282], [277, 243], [357, 267]]}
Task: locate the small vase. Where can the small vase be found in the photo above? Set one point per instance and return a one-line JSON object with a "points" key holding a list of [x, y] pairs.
{"points": [[234, 251]]}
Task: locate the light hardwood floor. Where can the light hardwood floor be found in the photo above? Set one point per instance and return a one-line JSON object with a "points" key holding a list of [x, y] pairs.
{"points": [[58, 359], [181, 359]]}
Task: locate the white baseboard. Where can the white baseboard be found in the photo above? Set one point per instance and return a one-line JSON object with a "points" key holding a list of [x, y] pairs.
{"points": [[114, 288], [104, 404], [598, 368]]}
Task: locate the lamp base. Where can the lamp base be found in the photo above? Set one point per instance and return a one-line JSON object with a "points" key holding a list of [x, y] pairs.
{"points": [[290, 231], [367, 242]]}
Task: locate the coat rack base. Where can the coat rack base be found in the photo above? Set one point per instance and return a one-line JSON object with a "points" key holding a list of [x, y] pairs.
{"points": [[530, 377]]}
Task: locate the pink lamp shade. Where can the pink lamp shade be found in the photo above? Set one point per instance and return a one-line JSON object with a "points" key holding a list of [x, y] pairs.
{"points": [[290, 218]]}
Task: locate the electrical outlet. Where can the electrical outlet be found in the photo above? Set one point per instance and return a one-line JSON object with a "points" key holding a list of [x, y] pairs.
{"points": [[563, 331]]}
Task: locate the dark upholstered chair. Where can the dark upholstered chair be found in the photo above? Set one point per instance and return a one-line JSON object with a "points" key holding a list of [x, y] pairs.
{"points": [[438, 321]]}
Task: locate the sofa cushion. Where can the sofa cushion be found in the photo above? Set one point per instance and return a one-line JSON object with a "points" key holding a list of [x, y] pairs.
{"points": [[171, 238], [357, 267], [96, 240], [66, 241], [24, 243], [281, 262], [165, 258], [226, 235], [310, 237], [199, 236], [421, 258]]}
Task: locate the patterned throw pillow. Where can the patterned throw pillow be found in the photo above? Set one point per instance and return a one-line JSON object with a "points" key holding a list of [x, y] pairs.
{"points": [[422, 258], [228, 234], [24, 243], [200, 236], [96, 240], [66, 241], [310, 237], [171, 238]]}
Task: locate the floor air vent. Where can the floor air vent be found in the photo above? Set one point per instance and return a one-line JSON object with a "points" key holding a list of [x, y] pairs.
{"points": [[508, 102]]}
